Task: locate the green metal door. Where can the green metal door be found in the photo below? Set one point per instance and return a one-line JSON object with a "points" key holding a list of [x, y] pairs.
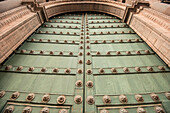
{"points": [[84, 62]]}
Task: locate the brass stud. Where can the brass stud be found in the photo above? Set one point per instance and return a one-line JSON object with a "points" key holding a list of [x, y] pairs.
{"points": [[81, 42], [137, 69], [108, 53], [79, 71], [118, 26], [76, 27], [128, 52], [60, 53], [52, 26], [80, 54], [88, 47], [108, 32], [67, 71], [65, 41], [30, 97], [154, 97], [121, 40], [27, 110], [32, 39], [129, 40], [159, 110], [104, 111], [79, 83], [93, 27], [78, 99], [122, 110], [149, 68], [167, 94], [118, 52], [15, 95], [43, 69], [41, 52], [54, 32], [95, 41], [51, 52], [71, 53], [80, 62], [87, 33], [64, 26], [87, 41], [81, 47], [115, 32], [68, 33], [125, 69], [101, 71], [45, 110], [141, 110], [19, 68], [81, 38], [88, 62], [8, 67], [129, 32], [62, 33], [2, 93], [46, 32], [75, 33], [46, 98], [87, 37], [88, 53], [104, 41], [112, 41], [137, 40], [32, 51], [138, 52], [57, 41], [139, 98], [23, 51], [90, 100], [9, 109], [40, 40], [98, 53], [89, 84], [99, 26], [89, 71], [31, 69], [106, 99], [112, 26], [55, 70], [66, 21], [61, 99], [101, 32], [94, 33], [123, 99], [162, 68], [147, 51], [113, 70]]}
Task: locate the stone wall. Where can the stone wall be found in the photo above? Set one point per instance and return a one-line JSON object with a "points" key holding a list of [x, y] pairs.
{"points": [[15, 26]]}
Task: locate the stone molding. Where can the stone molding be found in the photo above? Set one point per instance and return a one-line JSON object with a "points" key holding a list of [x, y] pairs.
{"points": [[154, 28]]}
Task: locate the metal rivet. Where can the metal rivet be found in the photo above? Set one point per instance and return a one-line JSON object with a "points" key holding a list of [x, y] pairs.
{"points": [[47, 32], [123, 99], [154, 97], [23, 51], [137, 52], [88, 53], [30, 97], [75, 33], [60, 53], [32, 51], [87, 37], [31, 69], [81, 42], [89, 84], [15, 95], [137, 69], [167, 94], [46, 98], [82, 33], [88, 62], [81, 47], [161, 68], [108, 53], [101, 32], [98, 53], [45, 110], [118, 53], [112, 26], [122, 110], [80, 54], [95, 41], [63, 111], [87, 41], [137, 40], [62, 32], [54, 32], [32, 39], [112, 41], [103, 21], [87, 33], [52, 26], [108, 32], [71, 53], [128, 52], [61, 99], [141, 110], [55, 70], [121, 40], [101, 71], [90, 100], [125, 69], [78, 99], [79, 83], [105, 26], [89, 71], [67, 71], [93, 27], [65, 41], [68, 33], [80, 62], [2, 93], [104, 41], [88, 47], [113, 70], [40, 40], [81, 38], [129, 40], [79, 71], [61, 21], [147, 51], [9, 109], [51, 52], [57, 41], [27, 110], [39, 31], [97, 21], [149, 68], [76, 27], [129, 32], [104, 111], [64, 26], [41, 52], [19, 68], [159, 110], [8, 67], [94, 33], [106, 99], [139, 98], [43, 69]]}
